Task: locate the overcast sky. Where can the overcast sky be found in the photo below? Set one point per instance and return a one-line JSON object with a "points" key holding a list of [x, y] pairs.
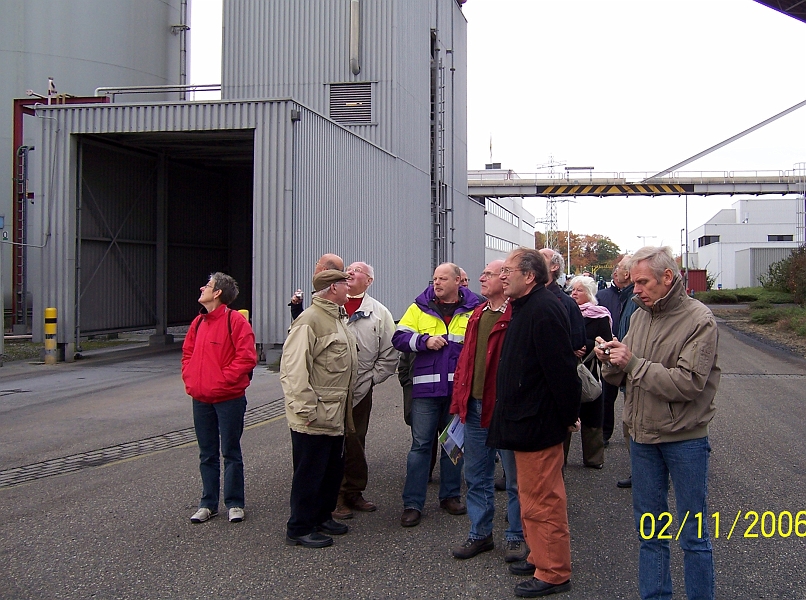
{"points": [[624, 86]]}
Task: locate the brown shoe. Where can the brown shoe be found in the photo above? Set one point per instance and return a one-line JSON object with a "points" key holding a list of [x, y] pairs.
{"points": [[342, 512], [410, 517], [360, 504], [453, 506]]}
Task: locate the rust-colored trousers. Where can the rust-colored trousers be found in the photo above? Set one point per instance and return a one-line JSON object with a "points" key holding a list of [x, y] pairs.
{"points": [[544, 513]]}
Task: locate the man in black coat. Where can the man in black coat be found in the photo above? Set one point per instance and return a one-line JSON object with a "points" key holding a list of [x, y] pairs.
{"points": [[538, 401]]}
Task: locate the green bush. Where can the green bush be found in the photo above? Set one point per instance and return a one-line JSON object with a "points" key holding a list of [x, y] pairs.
{"points": [[759, 304], [717, 297], [766, 315], [796, 276], [776, 276], [744, 296]]}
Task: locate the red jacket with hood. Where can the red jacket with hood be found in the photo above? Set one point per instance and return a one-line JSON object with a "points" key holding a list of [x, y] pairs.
{"points": [[216, 363]]}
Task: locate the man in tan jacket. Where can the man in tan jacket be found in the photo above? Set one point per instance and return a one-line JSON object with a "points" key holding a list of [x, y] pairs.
{"points": [[668, 363], [317, 371]]}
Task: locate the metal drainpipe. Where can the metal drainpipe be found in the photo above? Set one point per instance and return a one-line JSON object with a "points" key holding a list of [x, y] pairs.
{"points": [[183, 51]]}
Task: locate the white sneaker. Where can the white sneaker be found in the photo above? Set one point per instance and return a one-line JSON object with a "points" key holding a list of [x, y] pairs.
{"points": [[236, 514], [202, 515]]}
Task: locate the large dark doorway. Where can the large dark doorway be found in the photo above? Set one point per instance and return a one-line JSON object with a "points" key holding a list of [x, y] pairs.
{"points": [[157, 213]]}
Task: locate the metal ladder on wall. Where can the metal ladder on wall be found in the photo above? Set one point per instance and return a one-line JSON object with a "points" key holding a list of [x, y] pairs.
{"points": [[20, 239], [800, 227]]}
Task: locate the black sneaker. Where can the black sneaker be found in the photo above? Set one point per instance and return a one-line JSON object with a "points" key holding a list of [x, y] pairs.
{"points": [[473, 547], [522, 567], [516, 550]]}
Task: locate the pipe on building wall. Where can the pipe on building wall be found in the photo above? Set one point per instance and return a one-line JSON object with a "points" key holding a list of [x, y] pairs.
{"points": [[355, 36]]}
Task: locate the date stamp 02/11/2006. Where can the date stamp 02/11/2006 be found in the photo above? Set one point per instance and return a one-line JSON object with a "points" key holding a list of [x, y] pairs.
{"points": [[766, 524]]}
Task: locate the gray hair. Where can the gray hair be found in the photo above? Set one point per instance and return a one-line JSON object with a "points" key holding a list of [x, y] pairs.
{"points": [[590, 287], [227, 285], [659, 259], [531, 261], [370, 270]]}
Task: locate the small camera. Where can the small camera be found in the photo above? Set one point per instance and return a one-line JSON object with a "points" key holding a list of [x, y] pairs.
{"points": [[603, 349]]}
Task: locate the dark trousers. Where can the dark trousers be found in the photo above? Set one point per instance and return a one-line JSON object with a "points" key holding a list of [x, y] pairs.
{"points": [[609, 395], [318, 469], [220, 424], [356, 471]]}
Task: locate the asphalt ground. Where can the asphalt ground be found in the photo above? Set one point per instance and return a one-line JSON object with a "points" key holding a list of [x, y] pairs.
{"points": [[111, 517]]}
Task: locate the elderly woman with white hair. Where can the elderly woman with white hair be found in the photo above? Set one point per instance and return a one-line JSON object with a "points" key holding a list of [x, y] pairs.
{"points": [[598, 322]]}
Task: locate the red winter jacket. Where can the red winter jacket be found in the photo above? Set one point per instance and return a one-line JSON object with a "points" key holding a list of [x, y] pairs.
{"points": [[216, 362], [463, 376]]}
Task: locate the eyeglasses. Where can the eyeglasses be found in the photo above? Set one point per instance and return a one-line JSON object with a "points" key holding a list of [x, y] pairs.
{"points": [[488, 275], [506, 271], [355, 270], [210, 285]]}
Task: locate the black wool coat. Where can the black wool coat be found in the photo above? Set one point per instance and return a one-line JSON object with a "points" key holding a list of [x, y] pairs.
{"points": [[537, 388]]}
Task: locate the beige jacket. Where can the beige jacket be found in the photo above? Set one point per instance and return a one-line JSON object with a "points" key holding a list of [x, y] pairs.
{"points": [[318, 369], [373, 326], [672, 377]]}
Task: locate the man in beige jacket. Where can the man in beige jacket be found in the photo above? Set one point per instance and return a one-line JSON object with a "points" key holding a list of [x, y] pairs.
{"points": [[317, 371]]}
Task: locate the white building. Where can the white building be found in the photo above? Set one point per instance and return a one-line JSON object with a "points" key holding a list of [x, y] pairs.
{"points": [[507, 224], [737, 245]]}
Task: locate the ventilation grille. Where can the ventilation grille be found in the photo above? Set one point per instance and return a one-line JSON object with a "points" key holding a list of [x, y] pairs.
{"points": [[351, 102]]}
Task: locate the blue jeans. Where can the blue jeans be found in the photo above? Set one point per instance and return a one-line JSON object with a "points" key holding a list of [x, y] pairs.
{"points": [[514, 532], [479, 473], [224, 419], [687, 464], [427, 416]]}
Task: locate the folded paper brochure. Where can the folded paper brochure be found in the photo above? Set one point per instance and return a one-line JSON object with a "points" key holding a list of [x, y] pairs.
{"points": [[453, 439]]}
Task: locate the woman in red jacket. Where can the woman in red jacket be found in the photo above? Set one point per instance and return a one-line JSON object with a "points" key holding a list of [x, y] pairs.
{"points": [[217, 360]]}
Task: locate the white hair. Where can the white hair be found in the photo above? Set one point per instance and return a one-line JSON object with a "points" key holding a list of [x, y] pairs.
{"points": [[590, 287]]}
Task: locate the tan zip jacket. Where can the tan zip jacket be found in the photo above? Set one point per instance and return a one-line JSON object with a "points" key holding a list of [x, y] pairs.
{"points": [[672, 378], [318, 369]]}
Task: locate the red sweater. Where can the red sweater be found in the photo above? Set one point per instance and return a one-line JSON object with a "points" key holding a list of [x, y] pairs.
{"points": [[463, 375], [215, 362]]}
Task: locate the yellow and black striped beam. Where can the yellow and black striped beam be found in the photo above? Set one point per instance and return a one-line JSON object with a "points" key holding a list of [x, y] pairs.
{"points": [[621, 189]]}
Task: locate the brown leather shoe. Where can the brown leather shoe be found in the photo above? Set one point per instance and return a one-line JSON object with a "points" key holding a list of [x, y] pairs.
{"points": [[453, 506], [342, 512], [359, 503], [410, 517]]}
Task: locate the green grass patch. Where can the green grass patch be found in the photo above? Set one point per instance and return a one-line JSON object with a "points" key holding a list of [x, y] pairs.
{"points": [[28, 350], [786, 318], [744, 295]]}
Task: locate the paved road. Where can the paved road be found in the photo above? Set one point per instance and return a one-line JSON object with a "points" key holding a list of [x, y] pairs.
{"points": [[120, 529]]}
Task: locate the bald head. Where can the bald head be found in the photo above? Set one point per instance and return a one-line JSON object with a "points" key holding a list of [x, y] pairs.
{"points": [[554, 262], [329, 261]]}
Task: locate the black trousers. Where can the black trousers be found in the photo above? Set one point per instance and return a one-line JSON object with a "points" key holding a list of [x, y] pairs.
{"points": [[318, 469], [609, 395]]}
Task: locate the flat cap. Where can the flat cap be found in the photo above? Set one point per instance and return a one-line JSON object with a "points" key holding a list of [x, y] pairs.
{"points": [[324, 278]]}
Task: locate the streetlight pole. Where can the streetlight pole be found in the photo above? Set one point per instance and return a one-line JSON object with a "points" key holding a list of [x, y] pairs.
{"points": [[644, 237]]}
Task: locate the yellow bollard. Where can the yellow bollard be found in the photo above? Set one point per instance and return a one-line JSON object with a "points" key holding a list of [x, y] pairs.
{"points": [[245, 313], [50, 336]]}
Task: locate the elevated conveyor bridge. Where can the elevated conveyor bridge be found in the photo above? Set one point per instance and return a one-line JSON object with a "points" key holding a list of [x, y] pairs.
{"points": [[502, 184]]}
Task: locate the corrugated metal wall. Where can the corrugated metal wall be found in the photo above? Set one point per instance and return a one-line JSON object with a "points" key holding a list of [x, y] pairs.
{"points": [[752, 263], [363, 204]]}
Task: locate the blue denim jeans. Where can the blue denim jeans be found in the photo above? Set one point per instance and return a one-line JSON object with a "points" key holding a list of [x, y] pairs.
{"points": [[427, 416], [687, 464], [514, 532], [479, 473], [224, 420]]}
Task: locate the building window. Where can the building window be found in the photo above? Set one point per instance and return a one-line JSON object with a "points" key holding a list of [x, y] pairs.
{"points": [[707, 239], [530, 229], [780, 238], [502, 213], [496, 243], [351, 103]]}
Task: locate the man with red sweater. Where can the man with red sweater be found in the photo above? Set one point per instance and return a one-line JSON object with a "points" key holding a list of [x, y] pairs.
{"points": [[217, 358], [473, 400]]}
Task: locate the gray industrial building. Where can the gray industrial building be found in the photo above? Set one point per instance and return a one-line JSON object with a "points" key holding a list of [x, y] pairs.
{"points": [[341, 128]]}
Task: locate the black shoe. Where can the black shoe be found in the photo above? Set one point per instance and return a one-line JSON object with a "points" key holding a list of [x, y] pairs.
{"points": [[332, 527], [624, 483], [312, 540], [410, 517], [453, 506], [535, 588], [522, 567], [473, 547]]}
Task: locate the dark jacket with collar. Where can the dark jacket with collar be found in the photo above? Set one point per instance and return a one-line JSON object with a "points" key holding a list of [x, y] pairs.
{"points": [[538, 390], [574, 316]]}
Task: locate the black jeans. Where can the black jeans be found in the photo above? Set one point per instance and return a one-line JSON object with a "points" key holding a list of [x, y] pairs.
{"points": [[318, 469]]}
